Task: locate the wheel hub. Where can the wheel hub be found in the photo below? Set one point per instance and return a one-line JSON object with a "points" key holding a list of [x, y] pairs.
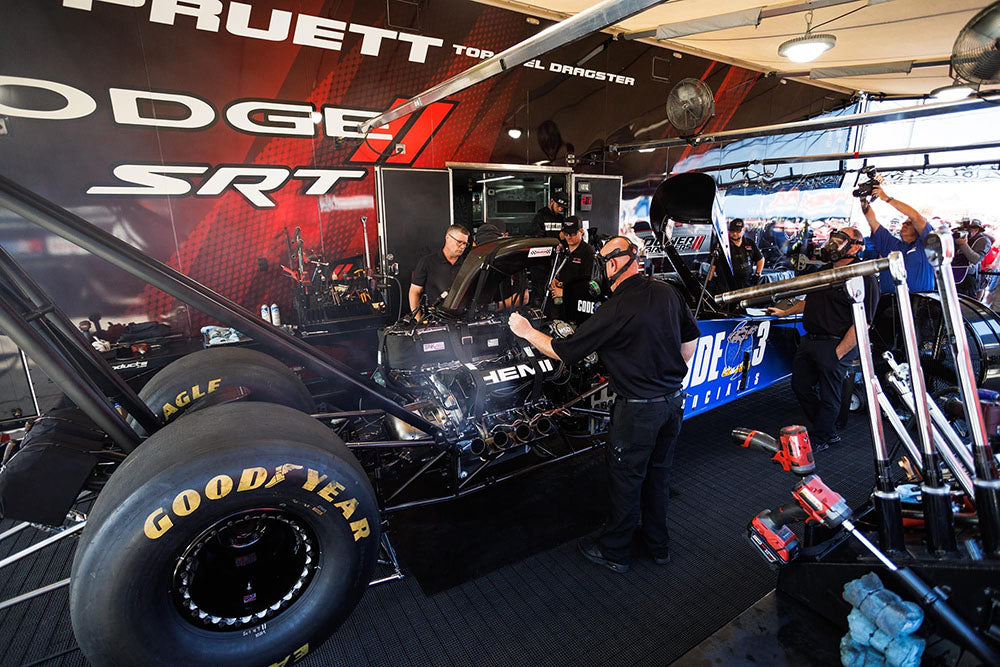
{"points": [[244, 569]]}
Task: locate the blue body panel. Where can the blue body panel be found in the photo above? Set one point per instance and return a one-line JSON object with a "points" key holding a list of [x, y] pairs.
{"points": [[738, 356]]}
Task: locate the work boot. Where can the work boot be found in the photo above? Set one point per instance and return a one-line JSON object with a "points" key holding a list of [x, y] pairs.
{"points": [[592, 552]]}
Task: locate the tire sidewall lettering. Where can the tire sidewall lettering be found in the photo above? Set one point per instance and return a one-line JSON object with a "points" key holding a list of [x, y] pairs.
{"points": [[331, 495]]}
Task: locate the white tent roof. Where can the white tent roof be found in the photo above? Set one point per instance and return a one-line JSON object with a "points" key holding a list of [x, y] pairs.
{"points": [[867, 31]]}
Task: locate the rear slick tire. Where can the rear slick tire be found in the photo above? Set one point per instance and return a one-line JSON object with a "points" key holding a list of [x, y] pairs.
{"points": [[182, 383], [243, 534]]}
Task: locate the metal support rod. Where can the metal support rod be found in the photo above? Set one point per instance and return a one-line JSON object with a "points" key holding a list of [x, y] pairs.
{"points": [[80, 389], [890, 412], [935, 495], [24, 597], [899, 381], [856, 155], [940, 249], [815, 124], [30, 291], [38, 546], [417, 474], [802, 284], [886, 498], [10, 532], [590, 20], [61, 222]]}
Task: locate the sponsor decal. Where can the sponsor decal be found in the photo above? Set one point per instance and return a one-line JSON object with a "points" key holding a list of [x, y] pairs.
{"points": [[434, 347], [297, 655], [539, 252], [129, 365], [188, 501], [184, 398], [688, 243], [501, 375], [722, 358]]}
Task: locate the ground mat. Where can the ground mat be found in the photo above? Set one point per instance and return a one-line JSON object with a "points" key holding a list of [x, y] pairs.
{"points": [[447, 544], [551, 607]]}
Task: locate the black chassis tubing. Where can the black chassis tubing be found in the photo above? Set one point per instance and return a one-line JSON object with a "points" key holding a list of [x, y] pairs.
{"points": [[59, 221]]}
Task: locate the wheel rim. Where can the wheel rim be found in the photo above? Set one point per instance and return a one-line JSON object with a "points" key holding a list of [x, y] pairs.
{"points": [[245, 569]]}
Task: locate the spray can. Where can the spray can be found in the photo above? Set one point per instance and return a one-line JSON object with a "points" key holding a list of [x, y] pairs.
{"points": [[275, 315], [265, 313]]}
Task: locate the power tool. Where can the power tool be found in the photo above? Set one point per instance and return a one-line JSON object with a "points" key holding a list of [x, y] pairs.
{"points": [[792, 450]]}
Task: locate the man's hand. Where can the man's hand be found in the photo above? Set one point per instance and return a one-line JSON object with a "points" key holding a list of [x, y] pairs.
{"points": [[519, 325], [774, 310], [961, 240], [880, 193], [865, 206]]}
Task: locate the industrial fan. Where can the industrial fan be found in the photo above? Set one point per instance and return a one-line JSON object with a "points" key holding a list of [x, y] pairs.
{"points": [[689, 104], [975, 58]]}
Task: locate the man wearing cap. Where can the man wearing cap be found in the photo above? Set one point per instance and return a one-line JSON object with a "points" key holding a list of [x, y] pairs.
{"points": [[748, 262], [645, 336], [549, 219], [436, 271], [571, 283], [971, 245]]}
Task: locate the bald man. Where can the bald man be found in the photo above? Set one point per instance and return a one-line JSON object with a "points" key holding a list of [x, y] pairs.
{"points": [[645, 335], [824, 354]]}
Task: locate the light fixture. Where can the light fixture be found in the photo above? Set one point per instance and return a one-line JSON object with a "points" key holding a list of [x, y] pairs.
{"points": [[495, 178], [514, 132], [646, 150], [954, 91], [808, 47]]}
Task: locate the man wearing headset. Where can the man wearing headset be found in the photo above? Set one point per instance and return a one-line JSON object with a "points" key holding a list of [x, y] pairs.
{"points": [[831, 343], [645, 335]]}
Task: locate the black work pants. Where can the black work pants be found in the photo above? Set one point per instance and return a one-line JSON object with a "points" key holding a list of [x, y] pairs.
{"points": [[639, 456], [818, 381]]}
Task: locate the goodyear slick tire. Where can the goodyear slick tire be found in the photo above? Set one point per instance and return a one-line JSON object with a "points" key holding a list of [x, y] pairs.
{"points": [[182, 382], [122, 595]]}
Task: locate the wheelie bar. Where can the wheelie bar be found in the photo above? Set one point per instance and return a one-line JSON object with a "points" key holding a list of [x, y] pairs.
{"points": [[937, 515], [940, 249], [888, 506]]}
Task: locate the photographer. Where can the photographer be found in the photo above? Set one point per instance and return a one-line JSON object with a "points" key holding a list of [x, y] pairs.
{"points": [[910, 242], [971, 246]]}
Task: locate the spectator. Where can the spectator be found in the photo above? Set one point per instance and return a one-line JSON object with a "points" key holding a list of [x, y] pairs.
{"points": [[971, 246]]}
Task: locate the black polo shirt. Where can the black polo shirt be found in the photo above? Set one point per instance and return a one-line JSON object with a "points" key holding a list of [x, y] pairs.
{"points": [[546, 216], [575, 276], [745, 257], [435, 274], [828, 312], [638, 334]]}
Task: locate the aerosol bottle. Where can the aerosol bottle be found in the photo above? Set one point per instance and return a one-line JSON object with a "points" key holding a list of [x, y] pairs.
{"points": [[275, 315], [265, 313]]}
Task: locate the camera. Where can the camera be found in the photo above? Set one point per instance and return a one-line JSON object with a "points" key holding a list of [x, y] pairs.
{"points": [[960, 234], [865, 189]]}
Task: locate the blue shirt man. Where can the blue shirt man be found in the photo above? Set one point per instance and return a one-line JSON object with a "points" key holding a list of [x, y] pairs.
{"points": [[910, 242]]}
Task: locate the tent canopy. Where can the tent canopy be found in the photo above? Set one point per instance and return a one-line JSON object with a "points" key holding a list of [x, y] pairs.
{"points": [[869, 32]]}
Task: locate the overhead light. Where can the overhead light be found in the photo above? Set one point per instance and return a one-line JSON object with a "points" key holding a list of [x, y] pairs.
{"points": [[808, 47], [646, 150], [955, 91], [495, 178], [514, 132]]}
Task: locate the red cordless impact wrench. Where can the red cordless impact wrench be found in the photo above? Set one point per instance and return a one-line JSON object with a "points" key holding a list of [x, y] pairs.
{"points": [[792, 450]]}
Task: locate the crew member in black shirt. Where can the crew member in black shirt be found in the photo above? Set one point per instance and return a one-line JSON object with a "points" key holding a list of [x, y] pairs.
{"points": [[436, 271], [549, 219], [645, 335], [830, 344], [748, 262], [570, 284]]}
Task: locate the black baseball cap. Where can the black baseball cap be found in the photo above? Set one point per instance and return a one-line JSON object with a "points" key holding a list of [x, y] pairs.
{"points": [[559, 197], [973, 224], [736, 224], [571, 225]]}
